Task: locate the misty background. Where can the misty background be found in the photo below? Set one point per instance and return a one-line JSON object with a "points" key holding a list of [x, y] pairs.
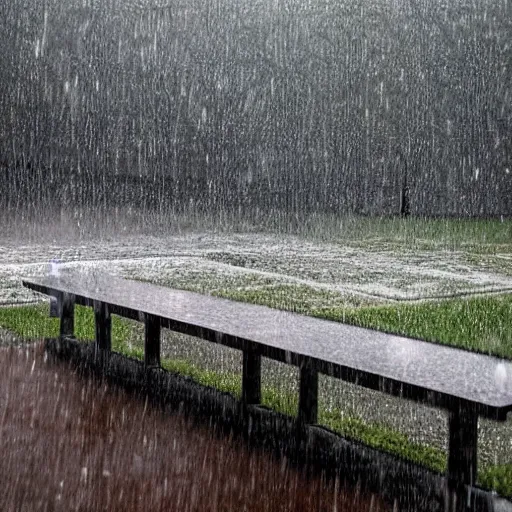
{"points": [[257, 106]]}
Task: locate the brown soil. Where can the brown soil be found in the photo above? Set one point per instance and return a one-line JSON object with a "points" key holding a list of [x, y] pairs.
{"points": [[74, 444]]}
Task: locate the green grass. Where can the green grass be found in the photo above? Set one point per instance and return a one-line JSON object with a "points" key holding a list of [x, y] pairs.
{"points": [[498, 478], [471, 317], [383, 438], [223, 381], [480, 324], [476, 235], [33, 322], [451, 234], [375, 233], [298, 298], [485, 236]]}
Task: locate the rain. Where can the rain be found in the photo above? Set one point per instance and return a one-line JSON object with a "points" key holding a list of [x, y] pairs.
{"points": [[348, 161], [242, 109]]}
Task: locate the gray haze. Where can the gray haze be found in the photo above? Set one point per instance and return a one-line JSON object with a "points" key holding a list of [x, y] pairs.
{"points": [[258, 105]]}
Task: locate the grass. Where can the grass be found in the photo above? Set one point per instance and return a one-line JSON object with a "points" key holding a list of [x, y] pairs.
{"points": [[497, 263], [480, 324], [475, 235], [483, 236], [298, 298], [33, 321], [498, 478], [383, 438], [456, 322], [451, 234]]}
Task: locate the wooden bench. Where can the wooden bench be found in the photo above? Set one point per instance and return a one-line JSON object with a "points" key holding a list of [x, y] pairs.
{"points": [[467, 384]]}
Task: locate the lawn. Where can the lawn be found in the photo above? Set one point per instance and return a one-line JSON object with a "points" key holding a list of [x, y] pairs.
{"points": [[481, 236]]}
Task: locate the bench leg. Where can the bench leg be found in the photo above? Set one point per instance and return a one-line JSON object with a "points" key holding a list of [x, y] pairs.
{"points": [[103, 324], [55, 307], [308, 396], [152, 334], [462, 455], [67, 315], [251, 378]]}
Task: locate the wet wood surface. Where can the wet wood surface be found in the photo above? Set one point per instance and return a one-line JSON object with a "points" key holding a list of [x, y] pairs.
{"points": [[423, 371]]}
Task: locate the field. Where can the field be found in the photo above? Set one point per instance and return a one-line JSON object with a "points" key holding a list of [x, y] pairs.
{"points": [[445, 281]]}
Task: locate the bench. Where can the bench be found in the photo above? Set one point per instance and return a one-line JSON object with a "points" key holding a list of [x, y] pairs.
{"points": [[465, 383]]}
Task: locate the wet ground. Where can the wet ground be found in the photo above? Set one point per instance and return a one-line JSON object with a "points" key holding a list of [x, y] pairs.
{"points": [[71, 443], [325, 268]]}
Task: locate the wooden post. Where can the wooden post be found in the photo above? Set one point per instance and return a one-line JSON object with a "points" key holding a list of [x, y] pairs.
{"points": [[462, 455], [251, 378], [308, 395], [103, 324], [67, 315], [152, 334]]}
